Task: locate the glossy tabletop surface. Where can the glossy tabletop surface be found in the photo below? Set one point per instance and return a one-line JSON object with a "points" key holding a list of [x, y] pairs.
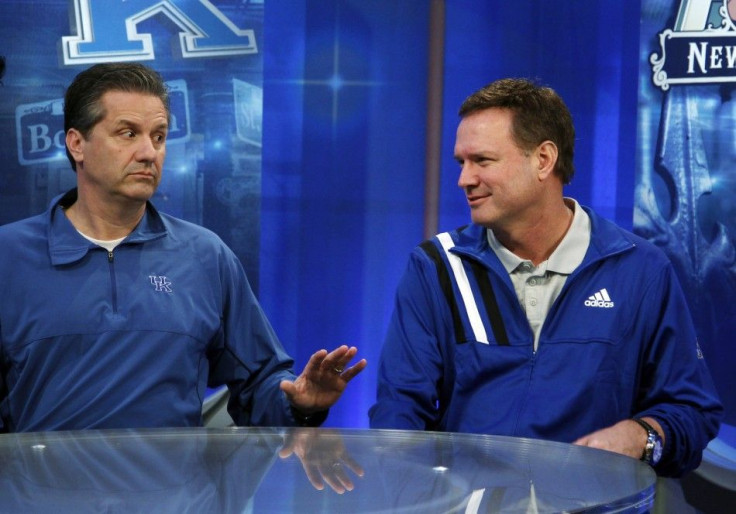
{"points": [[275, 470]]}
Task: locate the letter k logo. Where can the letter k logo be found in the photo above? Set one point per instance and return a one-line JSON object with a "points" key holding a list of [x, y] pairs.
{"points": [[161, 283]]}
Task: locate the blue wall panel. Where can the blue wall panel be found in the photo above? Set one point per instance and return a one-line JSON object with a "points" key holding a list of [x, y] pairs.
{"points": [[343, 186]]}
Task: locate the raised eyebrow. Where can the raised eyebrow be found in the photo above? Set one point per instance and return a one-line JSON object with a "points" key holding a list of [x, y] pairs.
{"points": [[126, 122], [130, 124]]}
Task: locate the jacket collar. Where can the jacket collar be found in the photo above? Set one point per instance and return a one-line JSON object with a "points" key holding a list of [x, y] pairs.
{"points": [[606, 239], [66, 245]]}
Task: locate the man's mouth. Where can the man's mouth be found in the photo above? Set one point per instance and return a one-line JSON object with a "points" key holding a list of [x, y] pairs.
{"points": [[475, 199], [142, 174]]}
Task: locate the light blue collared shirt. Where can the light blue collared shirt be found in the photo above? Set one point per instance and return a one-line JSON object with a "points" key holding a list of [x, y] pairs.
{"points": [[537, 287]]}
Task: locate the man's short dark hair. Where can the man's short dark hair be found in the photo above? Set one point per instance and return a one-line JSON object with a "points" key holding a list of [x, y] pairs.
{"points": [[539, 114], [82, 106]]}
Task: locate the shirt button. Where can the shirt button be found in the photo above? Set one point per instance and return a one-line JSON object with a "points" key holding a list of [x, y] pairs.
{"points": [[533, 302], [532, 281]]}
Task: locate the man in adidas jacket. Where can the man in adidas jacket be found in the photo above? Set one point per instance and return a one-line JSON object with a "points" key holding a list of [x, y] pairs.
{"points": [[115, 315], [541, 319]]}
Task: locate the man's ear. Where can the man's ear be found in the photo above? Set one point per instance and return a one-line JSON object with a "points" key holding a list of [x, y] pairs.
{"points": [[546, 154], [75, 144]]}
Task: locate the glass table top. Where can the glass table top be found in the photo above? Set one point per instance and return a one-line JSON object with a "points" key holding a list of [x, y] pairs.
{"points": [[275, 470]]}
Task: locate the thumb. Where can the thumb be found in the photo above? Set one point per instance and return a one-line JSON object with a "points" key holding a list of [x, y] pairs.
{"points": [[288, 388]]}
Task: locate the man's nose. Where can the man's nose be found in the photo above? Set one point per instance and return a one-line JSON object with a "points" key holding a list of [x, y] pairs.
{"points": [[467, 177], [147, 149]]}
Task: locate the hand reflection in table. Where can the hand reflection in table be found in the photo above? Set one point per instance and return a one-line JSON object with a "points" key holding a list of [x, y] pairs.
{"points": [[323, 456]]}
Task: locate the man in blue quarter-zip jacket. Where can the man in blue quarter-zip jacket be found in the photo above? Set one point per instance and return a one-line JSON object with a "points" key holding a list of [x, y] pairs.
{"points": [[115, 315], [541, 319]]}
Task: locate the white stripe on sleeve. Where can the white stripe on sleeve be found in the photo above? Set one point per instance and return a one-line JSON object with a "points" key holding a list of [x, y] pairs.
{"points": [[464, 285]]}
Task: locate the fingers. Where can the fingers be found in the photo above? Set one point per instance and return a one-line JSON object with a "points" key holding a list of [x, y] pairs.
{"points": [[332, 474], [314, 476], [337, 478], [337, 361], [353, 465], [352, 371], [316, 362], [338, 358]]}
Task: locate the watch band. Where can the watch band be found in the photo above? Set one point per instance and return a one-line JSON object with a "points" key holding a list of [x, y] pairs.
{"points": [[653, 449]]}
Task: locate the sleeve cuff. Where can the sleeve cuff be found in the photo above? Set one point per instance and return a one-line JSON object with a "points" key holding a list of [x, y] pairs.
{"points": [[311, 420]]}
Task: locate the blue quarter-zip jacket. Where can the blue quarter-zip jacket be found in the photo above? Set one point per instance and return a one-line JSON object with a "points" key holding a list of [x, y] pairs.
{"points": [[130, 338], [599, 360]]}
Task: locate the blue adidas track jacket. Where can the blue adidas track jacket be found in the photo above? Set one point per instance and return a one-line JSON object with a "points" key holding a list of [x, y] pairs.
{"points": [[131, 338], [617, 343]]}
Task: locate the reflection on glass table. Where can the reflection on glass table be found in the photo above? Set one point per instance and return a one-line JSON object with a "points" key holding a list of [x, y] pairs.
{"points": [[276, 470]]}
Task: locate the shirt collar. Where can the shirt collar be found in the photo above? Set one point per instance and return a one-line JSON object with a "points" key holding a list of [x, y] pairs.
{"points": [[567, 256], [66, 245]]}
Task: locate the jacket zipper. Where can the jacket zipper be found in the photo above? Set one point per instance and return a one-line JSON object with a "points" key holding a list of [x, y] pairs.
{"points": [[113, 282]]}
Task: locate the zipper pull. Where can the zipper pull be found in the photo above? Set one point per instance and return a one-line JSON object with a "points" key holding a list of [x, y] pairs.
{"points": [[109, 255]]}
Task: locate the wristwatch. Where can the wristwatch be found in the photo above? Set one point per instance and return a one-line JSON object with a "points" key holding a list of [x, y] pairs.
{"points": [[653, 449]]}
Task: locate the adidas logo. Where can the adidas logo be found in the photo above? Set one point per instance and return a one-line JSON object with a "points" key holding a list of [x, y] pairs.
{"points": [[600, 299]]}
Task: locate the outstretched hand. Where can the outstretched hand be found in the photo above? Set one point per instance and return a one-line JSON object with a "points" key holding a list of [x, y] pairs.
{"points": [[323, 380]]}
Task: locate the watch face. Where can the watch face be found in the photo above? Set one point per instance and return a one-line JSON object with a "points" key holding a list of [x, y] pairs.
{"points": [[657, 451]]}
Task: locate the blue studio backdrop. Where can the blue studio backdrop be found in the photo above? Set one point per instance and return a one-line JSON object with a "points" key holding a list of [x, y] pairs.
{"points": [[345, 121], [301, 137], [685, 176]]}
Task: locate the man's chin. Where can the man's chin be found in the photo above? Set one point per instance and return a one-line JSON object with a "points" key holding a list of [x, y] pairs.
{"points": [[140, 194], [479, 219]]}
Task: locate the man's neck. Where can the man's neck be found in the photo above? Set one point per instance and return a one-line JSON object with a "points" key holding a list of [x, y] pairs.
{"points": [[537, 242], [105, 221]]}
